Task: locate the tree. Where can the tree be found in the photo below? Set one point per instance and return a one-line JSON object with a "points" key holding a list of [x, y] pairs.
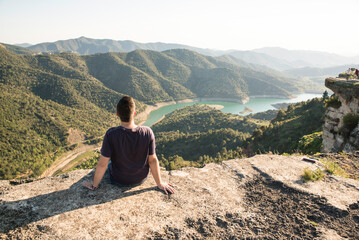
{"points": [[325, 95]]}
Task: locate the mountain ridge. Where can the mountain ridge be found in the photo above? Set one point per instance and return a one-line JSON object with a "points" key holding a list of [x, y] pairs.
{"points": [[274, 57]]}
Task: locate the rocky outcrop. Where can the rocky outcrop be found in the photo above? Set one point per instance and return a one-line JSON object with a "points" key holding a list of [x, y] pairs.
{"points": [[336, 135], [262, 197]]}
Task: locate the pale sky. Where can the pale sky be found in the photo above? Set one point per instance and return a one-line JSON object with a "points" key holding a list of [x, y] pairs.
{"points": [[322, 25]]}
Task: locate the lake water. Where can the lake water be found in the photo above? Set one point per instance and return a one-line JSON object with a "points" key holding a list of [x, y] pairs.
{"points": [[257, 104]]}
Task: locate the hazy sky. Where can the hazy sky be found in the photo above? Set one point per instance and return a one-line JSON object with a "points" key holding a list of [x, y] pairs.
{"points": [[323, 25]]}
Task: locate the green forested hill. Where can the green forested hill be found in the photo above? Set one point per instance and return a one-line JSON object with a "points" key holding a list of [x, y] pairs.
{"points": [[198, 134], [84, 45], [67, 90], [284, 133], [33, 130], [179, 74], [17, 49], [42, 97]]}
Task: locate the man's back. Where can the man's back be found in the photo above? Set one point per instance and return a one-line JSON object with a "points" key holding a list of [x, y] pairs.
{"points": [[128, 150], [131, 150]]}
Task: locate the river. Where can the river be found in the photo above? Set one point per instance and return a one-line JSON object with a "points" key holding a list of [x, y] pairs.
{"points": [[257, 104]]}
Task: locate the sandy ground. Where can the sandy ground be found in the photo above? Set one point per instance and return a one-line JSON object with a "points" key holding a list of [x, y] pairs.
{"points": [[67, 157], [218, 107]]}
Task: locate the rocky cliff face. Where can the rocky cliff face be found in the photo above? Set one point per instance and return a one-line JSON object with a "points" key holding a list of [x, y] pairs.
{"points": [[338, 135], [262, 197]]}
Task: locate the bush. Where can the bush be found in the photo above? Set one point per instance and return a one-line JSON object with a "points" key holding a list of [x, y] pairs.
{"points": [[311, 144], [350, 121], [331, 167], [312, 175], [333, 101]]}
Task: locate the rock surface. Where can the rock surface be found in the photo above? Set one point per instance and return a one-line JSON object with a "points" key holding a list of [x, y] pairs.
{"points": [[336, 137], [262, 197]]}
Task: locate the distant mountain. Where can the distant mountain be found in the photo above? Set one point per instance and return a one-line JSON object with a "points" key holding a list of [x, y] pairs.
{"points": [[17, 49], [178, 74], [85, 45], [304, 58], [318, 72], [276, 58], [263, 59], [23, 45]]}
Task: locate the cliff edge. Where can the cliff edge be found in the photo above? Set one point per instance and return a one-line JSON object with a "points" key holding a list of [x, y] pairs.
{"points": [[341, 129], [259, 197]]}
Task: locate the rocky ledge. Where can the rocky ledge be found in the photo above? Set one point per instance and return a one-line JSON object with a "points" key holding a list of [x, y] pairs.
{"points": [[262, 197], [337, 136], [347, 89]]}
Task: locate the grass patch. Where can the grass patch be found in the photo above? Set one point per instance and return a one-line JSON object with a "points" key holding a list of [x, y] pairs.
{"points": [[312, 175], [332, 167]]}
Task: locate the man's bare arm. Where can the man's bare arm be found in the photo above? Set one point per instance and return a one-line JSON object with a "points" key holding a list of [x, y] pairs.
{"points": [[100, 171], [155, 170]]}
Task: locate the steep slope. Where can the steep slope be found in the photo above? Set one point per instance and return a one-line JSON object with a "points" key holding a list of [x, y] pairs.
{"points": [[287, 129], [198, 134], [205, 83], [170, 74], [34, 131], [42, 97], [114, 73]]}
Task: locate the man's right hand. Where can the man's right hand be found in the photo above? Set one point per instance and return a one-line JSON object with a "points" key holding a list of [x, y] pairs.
{"points": [[166, 187]]}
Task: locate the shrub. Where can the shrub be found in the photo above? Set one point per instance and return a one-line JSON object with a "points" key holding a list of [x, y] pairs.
{"points": [[350, 121], [331, 167], [312, 175], [311, 143], [333, 101]]}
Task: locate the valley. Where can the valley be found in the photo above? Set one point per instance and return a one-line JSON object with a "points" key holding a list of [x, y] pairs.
{"points": [[63, 91]]}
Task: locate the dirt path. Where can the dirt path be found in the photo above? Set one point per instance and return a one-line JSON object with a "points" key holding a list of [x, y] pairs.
{"points": [[66, 158]]}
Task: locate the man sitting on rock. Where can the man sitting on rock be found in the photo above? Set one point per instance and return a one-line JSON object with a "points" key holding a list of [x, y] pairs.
{"points": [[131, 149]]}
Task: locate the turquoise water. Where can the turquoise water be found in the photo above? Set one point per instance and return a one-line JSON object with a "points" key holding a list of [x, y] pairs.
{"points": [[257, 104]]}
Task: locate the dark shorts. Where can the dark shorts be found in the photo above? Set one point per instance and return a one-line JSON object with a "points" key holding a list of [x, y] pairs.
{"points": [[114, 182]]}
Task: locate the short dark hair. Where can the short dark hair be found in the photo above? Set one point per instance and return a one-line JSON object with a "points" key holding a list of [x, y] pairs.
{"points": [[126, 108]]}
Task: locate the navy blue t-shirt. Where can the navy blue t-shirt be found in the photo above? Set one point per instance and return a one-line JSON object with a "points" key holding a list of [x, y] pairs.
{"points": [[128, 150]]}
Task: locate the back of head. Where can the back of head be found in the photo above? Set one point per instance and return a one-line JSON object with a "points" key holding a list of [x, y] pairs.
{"points": [[126, 108]]}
